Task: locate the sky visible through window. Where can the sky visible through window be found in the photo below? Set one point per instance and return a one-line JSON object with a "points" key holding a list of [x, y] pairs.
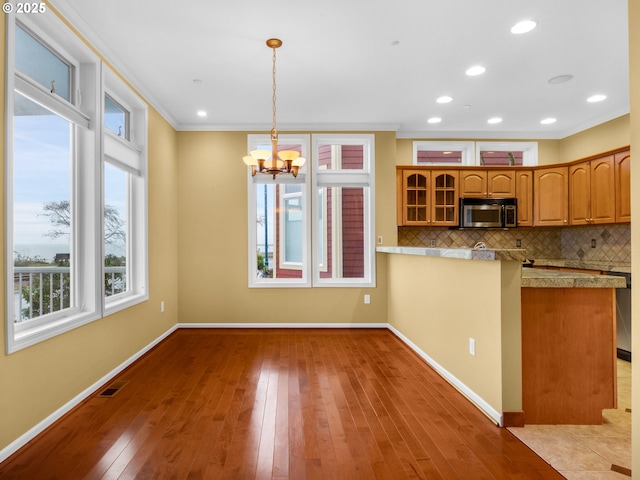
{"points": [[42, 173]]}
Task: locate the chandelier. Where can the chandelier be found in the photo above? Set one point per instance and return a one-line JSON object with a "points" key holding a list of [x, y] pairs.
{"points": [[272, 162]]}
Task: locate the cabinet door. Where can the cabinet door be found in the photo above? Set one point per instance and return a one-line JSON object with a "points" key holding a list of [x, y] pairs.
{"points": [[550, 196], [473, 183], [444, 201], [415, 197], [501, 183], [622, 162], [524, 194], [580, 194], [603, 205]]}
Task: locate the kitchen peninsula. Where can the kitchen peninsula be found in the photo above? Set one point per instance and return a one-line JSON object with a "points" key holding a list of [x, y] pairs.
{"points": [[507, 337]]}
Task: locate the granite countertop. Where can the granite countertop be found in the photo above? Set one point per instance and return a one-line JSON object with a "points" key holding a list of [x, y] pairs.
{"points": [[464, 253], [543, 278], [620, 267]]}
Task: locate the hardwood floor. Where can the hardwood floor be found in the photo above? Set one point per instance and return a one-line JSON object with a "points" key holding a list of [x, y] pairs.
{"points": [[278, 404]]}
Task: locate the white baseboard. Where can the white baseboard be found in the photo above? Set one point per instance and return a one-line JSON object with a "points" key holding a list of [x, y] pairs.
{"points": [[476, 399], [51, 419], [25, 438], [283, 325]]}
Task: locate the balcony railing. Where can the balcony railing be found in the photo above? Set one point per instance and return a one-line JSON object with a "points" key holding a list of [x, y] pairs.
{"points": [[42, 290]]}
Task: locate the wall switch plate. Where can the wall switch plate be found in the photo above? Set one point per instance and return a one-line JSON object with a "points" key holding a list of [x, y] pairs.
{"points": [[472, 347], [162, 307], [593, 243], [379, 239], [518, 243], [367, 299]]}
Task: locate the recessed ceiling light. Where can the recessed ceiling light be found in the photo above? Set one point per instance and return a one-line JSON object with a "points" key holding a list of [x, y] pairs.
{"points": [[444, 99], [434, 120], [476, 70], [523, 27], [548, 121], [494, 120], [557, 80], [202, 113], [596, 98]]}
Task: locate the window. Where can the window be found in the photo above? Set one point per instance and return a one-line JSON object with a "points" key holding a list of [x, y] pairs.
{"points": [[507, 153], [343, 243], [55, 277], [341, 252], [279, 220], [124, 207], [443, 153], [486, 153]]}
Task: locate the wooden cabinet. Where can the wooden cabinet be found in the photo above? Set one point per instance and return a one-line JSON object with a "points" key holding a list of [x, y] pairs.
{"points": [[428, 197], [473, 183], [415, 197], [551, 195], [524, 194], [487, 183], [592, 192], [622, 174]]}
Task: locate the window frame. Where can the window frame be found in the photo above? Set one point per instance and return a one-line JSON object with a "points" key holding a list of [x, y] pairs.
{"points": [[467, 149], [254, 141], [529, 151], [130, 156], [364, 179], [90, 78]]}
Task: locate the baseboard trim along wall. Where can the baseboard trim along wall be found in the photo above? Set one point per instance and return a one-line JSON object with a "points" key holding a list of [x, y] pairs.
{"points": [[21, 441], [478, 401], [36, 430]]}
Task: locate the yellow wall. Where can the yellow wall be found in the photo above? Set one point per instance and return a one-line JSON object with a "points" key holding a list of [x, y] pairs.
{"points": [[634, 82], [213, 242], [40, 379], [439, 303], [601, 138]]}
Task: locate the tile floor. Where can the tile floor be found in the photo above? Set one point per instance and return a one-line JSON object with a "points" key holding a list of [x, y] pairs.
{"points": [[587, 452]]}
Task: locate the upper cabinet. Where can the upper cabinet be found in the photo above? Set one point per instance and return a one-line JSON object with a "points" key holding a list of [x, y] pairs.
{"points": [[428, 197], [551, 195], [592, 192], [622, 167], [524, 195], [488, 183]]}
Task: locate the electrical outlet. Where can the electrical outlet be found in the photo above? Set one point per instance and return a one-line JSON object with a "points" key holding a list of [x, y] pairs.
{"points": [[367, 299], [433, 243], [380, 240], [162, 307], [472, 347], [593, 243], [518, 243]]}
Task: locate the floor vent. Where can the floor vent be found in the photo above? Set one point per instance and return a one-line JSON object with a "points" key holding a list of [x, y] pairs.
{"points": [[619, 469], [112, 389]]}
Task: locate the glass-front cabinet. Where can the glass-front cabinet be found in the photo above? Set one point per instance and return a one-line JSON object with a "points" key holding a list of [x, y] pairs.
{"points": [[429, 197]]}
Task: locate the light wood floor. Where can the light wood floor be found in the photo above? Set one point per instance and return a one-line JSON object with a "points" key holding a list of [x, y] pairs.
{"points": [[277, 404]]}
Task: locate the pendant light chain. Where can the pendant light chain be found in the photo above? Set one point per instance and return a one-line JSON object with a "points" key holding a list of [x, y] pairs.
{"points": [[274, 131]]}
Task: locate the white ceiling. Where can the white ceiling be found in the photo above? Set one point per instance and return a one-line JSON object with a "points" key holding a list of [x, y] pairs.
{"points": [[368, 64]]}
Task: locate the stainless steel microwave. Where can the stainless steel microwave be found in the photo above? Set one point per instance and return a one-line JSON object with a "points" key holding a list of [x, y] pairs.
{"points": [[488, 213]]}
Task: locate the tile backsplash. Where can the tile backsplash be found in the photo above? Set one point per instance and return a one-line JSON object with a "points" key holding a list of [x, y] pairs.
{"points": [[612, 242]]}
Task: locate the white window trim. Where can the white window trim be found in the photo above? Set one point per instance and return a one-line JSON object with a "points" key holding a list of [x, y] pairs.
{"points": [[85, 111], [130, 156], [467, 149], [281, 258], [349, 178], [253, 141], [85, 185], [529, 149]]}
